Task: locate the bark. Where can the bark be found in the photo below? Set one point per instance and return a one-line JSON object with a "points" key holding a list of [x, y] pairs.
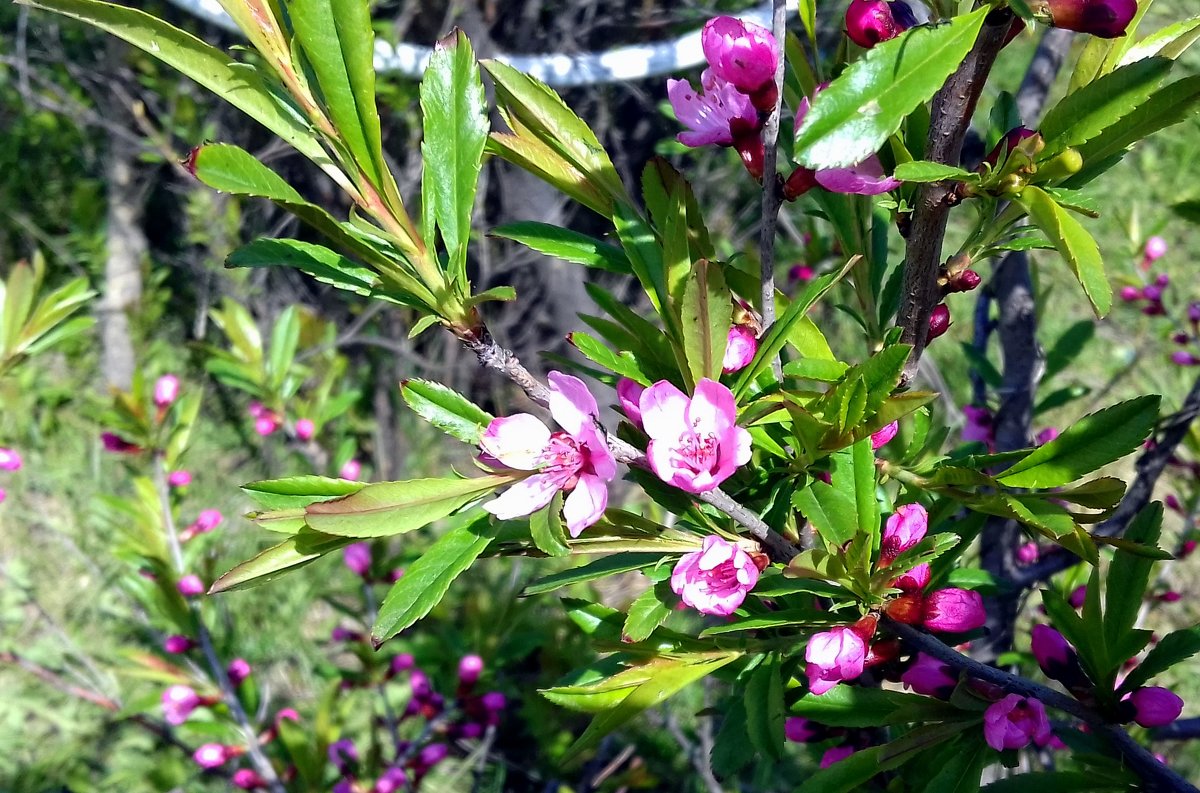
{"points": [[125, 251]]}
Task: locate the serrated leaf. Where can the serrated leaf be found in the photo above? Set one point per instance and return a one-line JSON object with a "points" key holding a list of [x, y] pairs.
{"points": [[601, 568], [925, 171], [446, 409], [1075, 244], [648, 611], [764, 708], [293, 553], [1129, 575], [323, 264], [298, 491], [546, 528], [853, 118], [389, 508], [1172, 649], [1084, 114]]}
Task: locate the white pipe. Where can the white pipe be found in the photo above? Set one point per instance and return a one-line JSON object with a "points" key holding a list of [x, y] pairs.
{"points": [[635, 62]]}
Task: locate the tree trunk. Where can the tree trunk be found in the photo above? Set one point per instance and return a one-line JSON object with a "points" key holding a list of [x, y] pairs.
{"points": [[126, 249]]}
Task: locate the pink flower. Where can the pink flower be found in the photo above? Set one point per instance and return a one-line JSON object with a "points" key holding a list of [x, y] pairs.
{"points": [[904, 529], [392, 780], [1155, 706], [742, 54], [695, 443], [1156, 248], [178, 702], [954, 611], [357, 556], [1184, 358], [238, 670], [836, 754], [833, 656], [351, 469], [191, 585], [305, 429], [1028, 553], [717, 116], [1013, 722], [576, 461], [469, 669], [800, 730], [864, 178], [915, 579], [715, 579], [177, 644], [979, 426], [881, 437], [166, 390], [1106, 19], [430, 756], [266, 422], [10, 460], [212, 755], [248, 779], [740, 347], [402, 663], [115, 443], [802, 273], [179, 478], [628, 394], [930, 677], [1045, 436]]}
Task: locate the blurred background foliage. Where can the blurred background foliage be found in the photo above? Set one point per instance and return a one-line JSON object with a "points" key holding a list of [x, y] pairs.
{"points": [[91, 176]]}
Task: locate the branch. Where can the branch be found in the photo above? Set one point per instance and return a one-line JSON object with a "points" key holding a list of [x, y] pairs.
{"points": [[771, 195], [492, 356], [1149, 467], [1178, 730], [1156, 776], [953, 107]]}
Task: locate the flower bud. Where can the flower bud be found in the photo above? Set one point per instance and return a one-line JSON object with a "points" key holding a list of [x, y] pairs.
{"points": [[471, 729], [802, 273], [342, 755], [907, 608], [10, 460], [742, 54], [833, 656], [1106, 19], [1156, 248], [740, 347], [904, 529], [1152, 292], [469, 669], [191, 585], [402, 663], [1184, 358], [115, 443], [179, 478], [1028, 553], [835, 755], [238, 671], [930, 677], [1170, 596], [1007, 143], [357, 556], [430, 756], [247, 779], [166, 390], [1186, 549], [177, 644], [392, 780], [1155, 706], [881, 437], [1193, 312], [178, 702], [266, 423], [915, 579], [1057, 658], [954, 611], [351, 470], [939, 322], [1130, 293], [869, 22], [1077, 597], [212, 755], [305, 429], [628, 394], [798, 729]]}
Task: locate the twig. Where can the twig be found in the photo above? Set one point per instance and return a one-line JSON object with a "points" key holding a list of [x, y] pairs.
{"points": [[228, 693], [772, 194], [953, 107], [1178, 730], [1156, 775]]}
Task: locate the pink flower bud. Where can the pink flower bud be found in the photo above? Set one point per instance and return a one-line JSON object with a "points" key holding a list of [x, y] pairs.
{"points": [[1193, 312], [915, 579], [493, 702], [430, 756], [256, 408], [1045, 436], [798, 729], [287, 714], [939, 322], [191, 585], [1186, 549], [904, 529], [882, 436], [179, 478], [1106, 19], [305, 429], [166, 390], [266, 423], [1184, 358], [3, 495], [342, 754], [980, 426], [802, 273], [248, 779], [869, 22], [835, 755], [1028, 553], [1152, 292], [930, 677], [392, 780], [1130, 293], [1010, 141], [402, 662], [1170, 596], [907, 608], [469, 669], [628, 394], [1056, 657], [1162, 280], [1179, 337], [1156, 248], [178, 702], [177, 644], [954, 611], [471, 729], [715, 579], [352, 469], [357, 557], [10, 460], [968, 280], [1077, 597], [238, 671], [833, 656], [740, 347], [212, 755], [740, 53], [117, 444], [1013, 722], [1155, 706]]}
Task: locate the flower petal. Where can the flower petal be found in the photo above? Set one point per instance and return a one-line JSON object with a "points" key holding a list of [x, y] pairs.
{"points": [[664, 410], [516, 441], [712, 409], [525, 497], [866, 178], [586, 503], [571, 404]]}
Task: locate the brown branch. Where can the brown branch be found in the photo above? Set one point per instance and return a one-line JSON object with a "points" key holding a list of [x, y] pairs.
{"points": [[950, 118], [1156, 775], [772, 195]]}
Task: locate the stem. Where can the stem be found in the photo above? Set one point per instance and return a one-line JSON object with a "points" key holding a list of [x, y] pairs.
{"points": [[1156, 775], [772, 194], [228, 692]]}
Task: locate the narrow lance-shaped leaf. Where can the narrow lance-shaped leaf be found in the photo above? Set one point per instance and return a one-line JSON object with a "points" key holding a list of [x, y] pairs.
{"points": [[446, 409], [705, 315], [1073, 242], [293, 553]]}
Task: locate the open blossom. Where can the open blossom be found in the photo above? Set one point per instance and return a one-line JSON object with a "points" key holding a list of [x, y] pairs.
{"points": [[10, 460], [742, 54], [575, 460], [695, 443], [178, 702], [882, 436], [930, 677], [166, 390], [1155, 706], [715, 579], [628, 394], [212, 755], [833, 656], [740, 347], [904, 529], [1014, 721], [717, 116], [954, 610]]}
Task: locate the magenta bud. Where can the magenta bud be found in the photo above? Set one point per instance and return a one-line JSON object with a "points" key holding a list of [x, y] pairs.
{"points": [[352, 469], [628, 394], [915, 579], [968, 280], [835, 755], [1153, 292], [1186, 549], [305, 429], [882, 436], [342, 754], [179, 478], [266, 424], [191, 585], [1170, 596], [740, 347], [357, 557], [469, 669], [1193, 312], [1130, 293], [954, 611], [904, 529], [287, 714], [939, 322], [392, 780], [10, 460], [432, 754], [247, 779], [1010, 141], [740, 53], [1156, 248], [1057, 657], [1162, 279], [1077, 597], [419, 682], [178, 702], [1106, 19], [471, 729], [1155, 706], [869, 22], [1014, 721], [115, 443], [930, 677], [207, 520], [1184, 358], [1045, 436], [402, 662], [238, 671], [493, 701], [1028, 553], [177, 644], [1180, 337], [798, 729], [166, 390], [212, 755], [802, 273]]}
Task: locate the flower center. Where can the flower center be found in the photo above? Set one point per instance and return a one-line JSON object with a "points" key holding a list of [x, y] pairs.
{"points": [[563, 455], [697, 452]]}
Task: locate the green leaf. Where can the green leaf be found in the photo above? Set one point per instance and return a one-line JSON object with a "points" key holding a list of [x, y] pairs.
{"points": [[1058, 781], [293, 553], [285, 338], [446, 409], [732, 750], [236, 83], [1084, 114], [705, 316], [851, 773], [925, 171], [567, 245], [1129, 575], [832, 513], [961, 768], [539, 159], [764, 708], [389, 508], [601, 568], [649, 611], [1172, 649], [1068, 346], [1091, 443], [427, 580], [787, 618], [456, 130], [328, 267], [855, 707], [299, 491], [853, 118], [1073, 242], [546, 528]]}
